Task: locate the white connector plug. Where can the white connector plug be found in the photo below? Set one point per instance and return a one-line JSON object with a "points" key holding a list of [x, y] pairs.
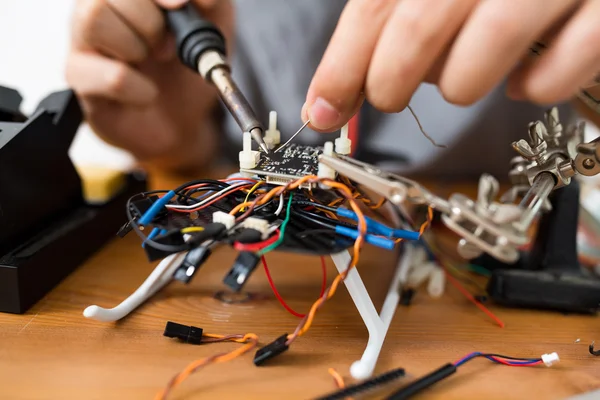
{"points": [[550, 359], [343, 144], [220, 217], [261, 225], [248, 157], [272, 135]]}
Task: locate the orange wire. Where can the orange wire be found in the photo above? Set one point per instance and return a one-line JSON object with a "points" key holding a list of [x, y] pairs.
{"points": [[250, 340], [339, 381]]}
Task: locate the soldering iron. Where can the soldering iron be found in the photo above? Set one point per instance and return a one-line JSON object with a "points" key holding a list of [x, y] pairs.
{"points": [[201, 47]]}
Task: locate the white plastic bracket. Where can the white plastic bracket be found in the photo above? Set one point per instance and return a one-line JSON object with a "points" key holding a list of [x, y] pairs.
{"points": [[158, 279], [377, 323]]}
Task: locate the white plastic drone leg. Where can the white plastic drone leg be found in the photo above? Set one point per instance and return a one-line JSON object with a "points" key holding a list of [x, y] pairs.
{"points": [[377, 324], [161, 275]]}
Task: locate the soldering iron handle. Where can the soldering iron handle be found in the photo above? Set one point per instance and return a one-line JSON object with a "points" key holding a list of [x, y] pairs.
{"points": [[194, 34]]}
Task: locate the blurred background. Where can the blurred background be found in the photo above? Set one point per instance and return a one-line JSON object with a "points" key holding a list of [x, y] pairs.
{"points": [[34, 42]]}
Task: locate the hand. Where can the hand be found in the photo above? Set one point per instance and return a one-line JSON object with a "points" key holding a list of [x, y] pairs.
{"points": [[384, 49], [135, 92]]}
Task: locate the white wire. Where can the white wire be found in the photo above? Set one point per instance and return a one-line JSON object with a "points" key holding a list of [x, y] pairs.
{"points": [[280, 208], [203, 202]]}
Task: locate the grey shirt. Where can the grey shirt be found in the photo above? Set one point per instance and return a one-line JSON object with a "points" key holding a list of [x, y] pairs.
{"points": [[279, 45]]}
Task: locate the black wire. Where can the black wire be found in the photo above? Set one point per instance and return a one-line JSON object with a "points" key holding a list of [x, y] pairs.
{"points": [[320, 218], [311, 218], [315, 232], [198, 182], [150, 242], [313, 204]]}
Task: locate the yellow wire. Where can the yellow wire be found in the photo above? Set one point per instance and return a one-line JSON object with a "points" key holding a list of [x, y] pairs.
{"points": [[192, 229], [252, 189]]}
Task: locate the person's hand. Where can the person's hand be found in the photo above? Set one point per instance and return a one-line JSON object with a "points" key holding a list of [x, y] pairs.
{"points": [[384, 49], [135, 92]]}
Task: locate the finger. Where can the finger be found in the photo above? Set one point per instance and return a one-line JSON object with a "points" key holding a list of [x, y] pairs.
{"points": [[570, 62], [496, 36], [91, 75], [340, 77], [411, 41], [143, 17], [97, 27]]}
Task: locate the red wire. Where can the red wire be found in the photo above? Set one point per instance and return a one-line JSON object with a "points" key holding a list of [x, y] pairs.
{"points": [[353, 131], [257, 246], [212, 201], [221, 180], [501, 361], [470, 297], [276, 292], [324, 281]]}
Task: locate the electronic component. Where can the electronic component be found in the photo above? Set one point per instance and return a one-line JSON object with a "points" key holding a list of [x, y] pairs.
{"points": [[365, 386], [192, 261], [258, 224], [281, 168], [243, 267], [224, 218], [271, 350], [189, 334]]}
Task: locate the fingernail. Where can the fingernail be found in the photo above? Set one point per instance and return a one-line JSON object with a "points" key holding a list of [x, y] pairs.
{"points": [[304, 113], [174, 3], [323, 115]]}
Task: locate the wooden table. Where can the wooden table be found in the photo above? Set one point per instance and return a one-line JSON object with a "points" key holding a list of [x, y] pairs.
{"points": [[53, 352]]}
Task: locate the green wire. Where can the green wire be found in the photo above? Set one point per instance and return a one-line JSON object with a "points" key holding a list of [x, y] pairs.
{"points": [[281, 230], [478, 269]]}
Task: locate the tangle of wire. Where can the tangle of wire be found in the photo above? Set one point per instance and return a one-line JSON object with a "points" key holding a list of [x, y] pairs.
{"points": [[249, 341]]}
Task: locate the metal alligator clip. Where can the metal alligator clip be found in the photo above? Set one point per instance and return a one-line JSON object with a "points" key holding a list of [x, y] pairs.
{"points": [[393, 187]]}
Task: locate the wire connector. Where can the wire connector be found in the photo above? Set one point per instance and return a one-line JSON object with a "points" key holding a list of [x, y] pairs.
{"points": [[550, 359], [191, 263], [258, 224], [272, 135], [189, 334], [242, 268], [343, 145], [220, 217], [271, 350]]}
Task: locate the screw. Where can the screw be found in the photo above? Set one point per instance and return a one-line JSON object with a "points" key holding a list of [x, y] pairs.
{"points": [[588, 163]]}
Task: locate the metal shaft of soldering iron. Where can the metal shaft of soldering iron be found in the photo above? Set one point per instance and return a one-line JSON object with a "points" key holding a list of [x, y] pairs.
{"points": [[201, 47]]}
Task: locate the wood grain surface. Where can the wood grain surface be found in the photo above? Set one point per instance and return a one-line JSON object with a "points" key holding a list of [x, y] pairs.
{"points": [[53, 352]]}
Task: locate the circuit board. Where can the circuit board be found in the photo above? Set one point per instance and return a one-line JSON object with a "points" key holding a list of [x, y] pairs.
{"points": [[296, 161]]}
